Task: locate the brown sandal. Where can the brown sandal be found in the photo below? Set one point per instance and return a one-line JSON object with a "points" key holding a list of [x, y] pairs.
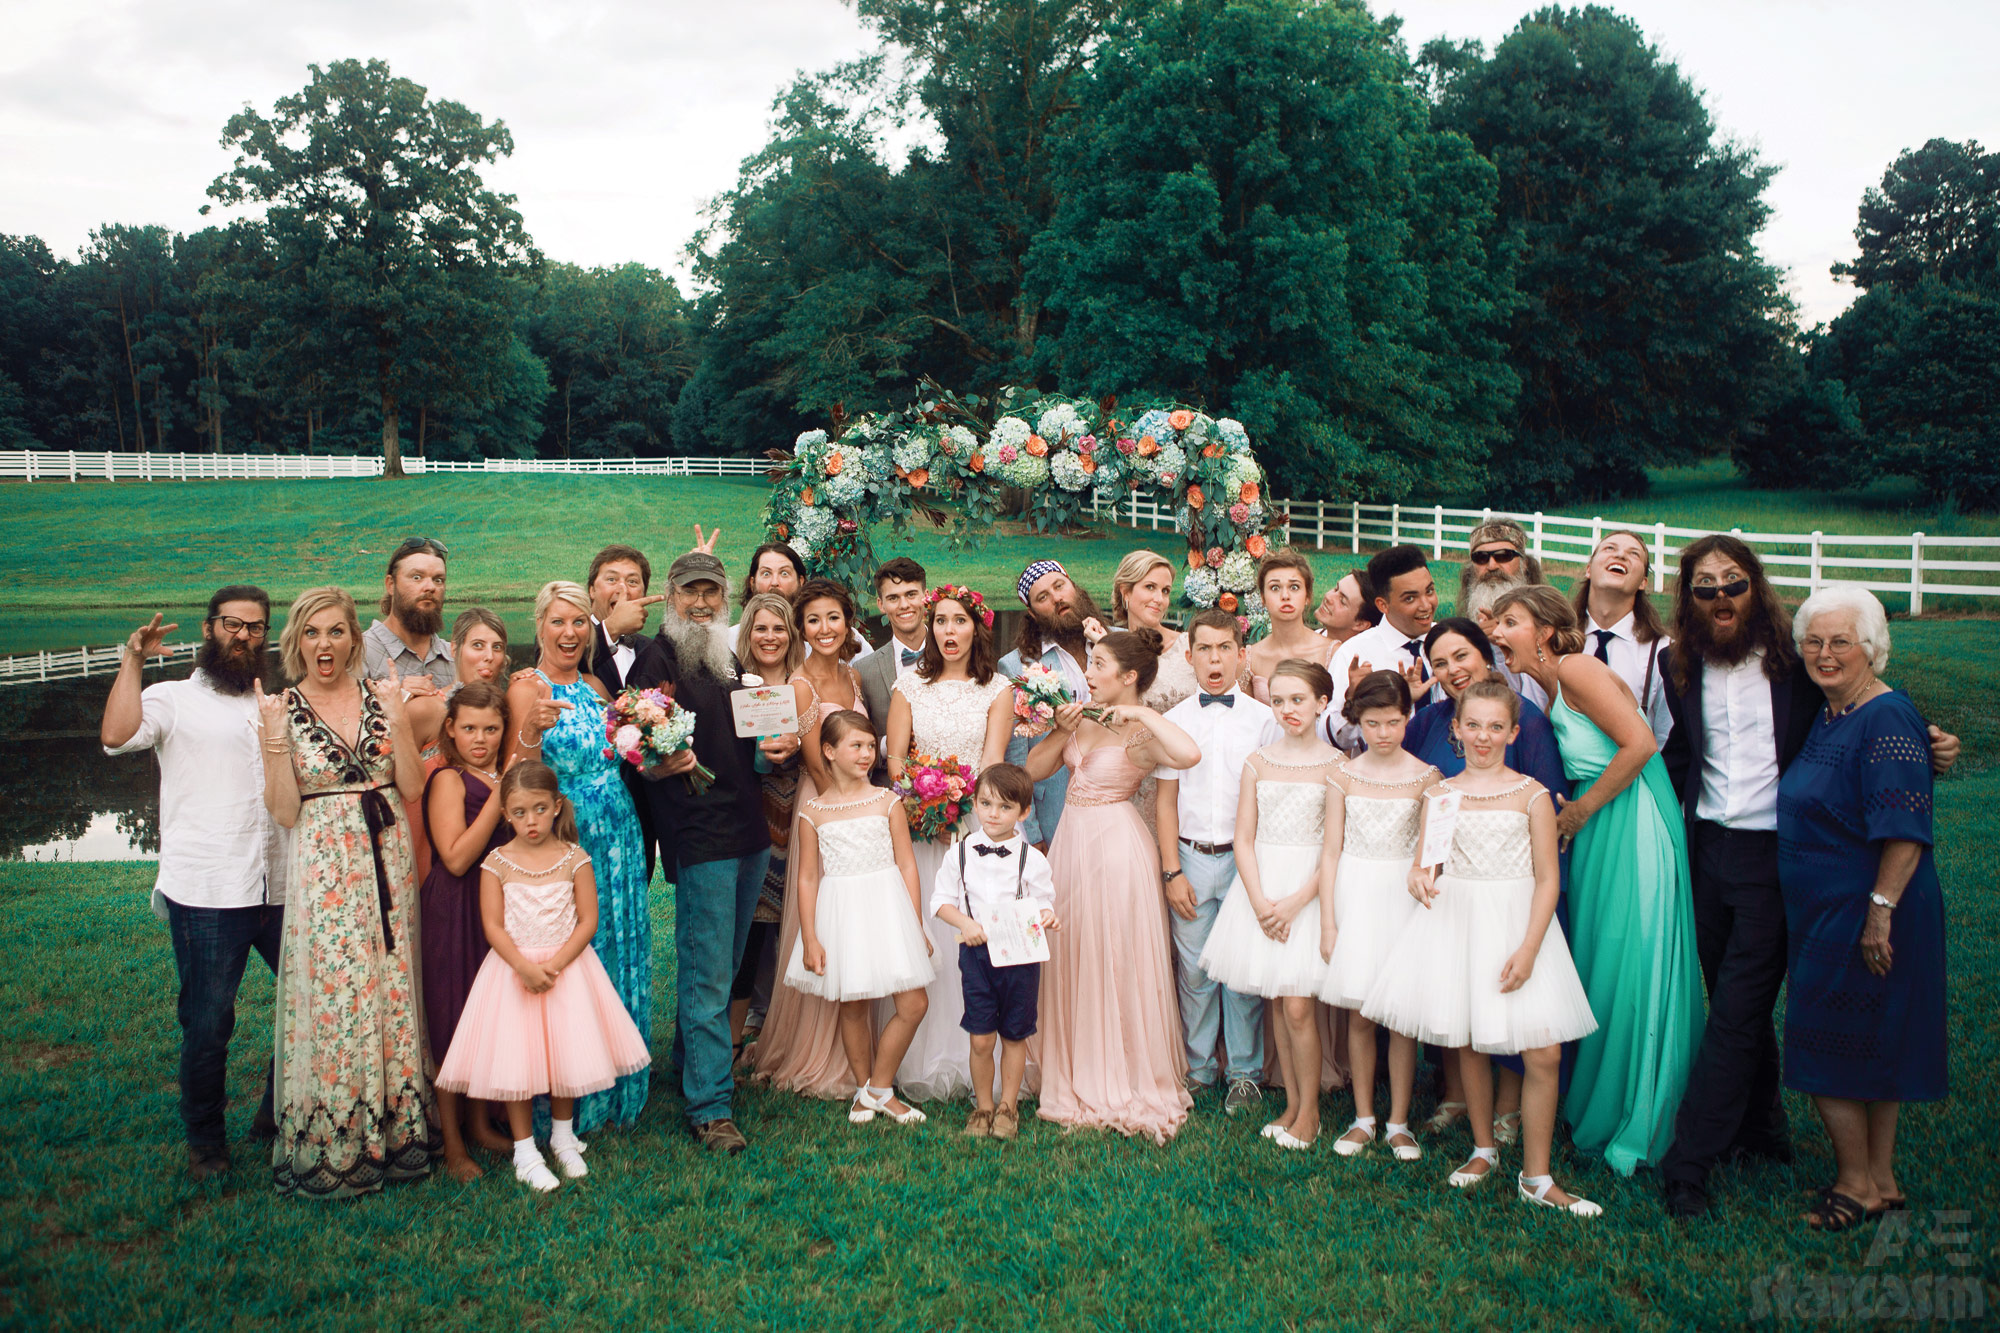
{"points": [[1836, 1212]]}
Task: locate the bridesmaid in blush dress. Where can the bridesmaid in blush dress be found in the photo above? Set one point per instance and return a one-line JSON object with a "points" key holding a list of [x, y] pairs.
{"points": [[1141, 590], [1110, 1045]]}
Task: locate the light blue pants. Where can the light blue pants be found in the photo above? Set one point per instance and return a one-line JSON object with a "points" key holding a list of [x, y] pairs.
{"points": [[1205, 1005], [713, 905]]}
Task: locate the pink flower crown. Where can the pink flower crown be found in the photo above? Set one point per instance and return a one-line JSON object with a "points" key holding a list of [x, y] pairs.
{"points": [[958, 593]]}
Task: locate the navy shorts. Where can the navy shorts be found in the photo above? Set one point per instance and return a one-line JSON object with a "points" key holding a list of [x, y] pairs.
{"points": [[998, 999]]}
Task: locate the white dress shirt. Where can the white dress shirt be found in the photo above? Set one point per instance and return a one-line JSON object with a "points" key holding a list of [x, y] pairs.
{"points": [[1631, 659], [622, 653], [1383, 648], [896, 646], [219, 846], [1739, 760], [990, 879], [1227, 736]]}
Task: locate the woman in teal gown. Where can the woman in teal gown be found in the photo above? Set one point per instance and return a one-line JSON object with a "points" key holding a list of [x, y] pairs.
{"points": [[1631, 909]]}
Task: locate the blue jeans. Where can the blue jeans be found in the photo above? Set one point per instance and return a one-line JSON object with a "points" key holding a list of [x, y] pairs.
{"points": [[211, 946], [1205, 1005], [713, 905]]}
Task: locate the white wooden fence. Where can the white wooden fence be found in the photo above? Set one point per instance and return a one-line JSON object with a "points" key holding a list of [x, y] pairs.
{"points": [[1909, 564], [70, 465], [34, 668]]}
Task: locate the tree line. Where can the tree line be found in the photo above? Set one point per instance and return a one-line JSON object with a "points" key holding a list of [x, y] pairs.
{"points": [[1529, 273]]}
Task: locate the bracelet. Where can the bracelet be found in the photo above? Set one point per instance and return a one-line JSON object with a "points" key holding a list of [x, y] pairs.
{"points": [[1880, 901], [527, 744], [1169, 876]]}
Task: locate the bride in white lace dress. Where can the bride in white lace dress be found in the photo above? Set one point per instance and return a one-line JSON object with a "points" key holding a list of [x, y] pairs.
{"points": [[955, 703]]}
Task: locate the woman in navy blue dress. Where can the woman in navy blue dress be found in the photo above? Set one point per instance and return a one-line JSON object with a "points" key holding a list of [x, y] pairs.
{"points": [[1865, 999]]}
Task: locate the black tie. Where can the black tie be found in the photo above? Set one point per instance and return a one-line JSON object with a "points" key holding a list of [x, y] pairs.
{"points": [[912, 655], [1415, 648], [1604, 638], [984, 850], [1226, 700]]}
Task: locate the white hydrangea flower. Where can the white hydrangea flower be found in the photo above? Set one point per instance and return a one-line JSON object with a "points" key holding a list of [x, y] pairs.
{"points": [[913, 452], [1067, 469], [1060, 422], [1201, 587], [1026, 471], [964, 442], [815, 524], [1239, 572], [1010, 430], [811, 439], [844, 490]]}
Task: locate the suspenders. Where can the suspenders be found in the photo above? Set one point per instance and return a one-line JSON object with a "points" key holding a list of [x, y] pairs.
{"points": [[1020, 873]]}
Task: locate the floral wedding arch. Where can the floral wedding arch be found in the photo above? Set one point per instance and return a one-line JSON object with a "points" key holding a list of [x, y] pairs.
{"points": [[833, 488]]}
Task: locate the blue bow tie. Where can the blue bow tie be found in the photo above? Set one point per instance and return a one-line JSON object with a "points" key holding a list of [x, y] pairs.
{"points": [[912, 655], [1226, 700]]}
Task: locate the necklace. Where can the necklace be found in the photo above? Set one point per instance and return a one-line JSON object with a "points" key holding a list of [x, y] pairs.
{"points": [[490, 779]]}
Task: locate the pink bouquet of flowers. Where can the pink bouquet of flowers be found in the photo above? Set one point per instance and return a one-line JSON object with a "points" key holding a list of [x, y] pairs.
{"points": [[645, 728], [936, 794], [1038, 692]]}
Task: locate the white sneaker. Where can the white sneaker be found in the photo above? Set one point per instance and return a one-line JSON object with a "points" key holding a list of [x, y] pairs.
{"points": [[535, 1174], [569, 1156]]}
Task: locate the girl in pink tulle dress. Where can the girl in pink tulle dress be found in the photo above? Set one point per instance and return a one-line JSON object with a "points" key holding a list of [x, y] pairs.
{"points": [[542, 1017], [1110, 1044]]}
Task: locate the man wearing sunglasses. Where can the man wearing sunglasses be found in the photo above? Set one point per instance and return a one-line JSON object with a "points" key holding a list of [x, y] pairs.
{"points": [[1742, 705], [1498, 555], [407, 639], [221, 882]]}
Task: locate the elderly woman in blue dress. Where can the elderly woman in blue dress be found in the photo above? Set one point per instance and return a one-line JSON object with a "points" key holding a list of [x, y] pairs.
{"points": [[1865, 1007]]}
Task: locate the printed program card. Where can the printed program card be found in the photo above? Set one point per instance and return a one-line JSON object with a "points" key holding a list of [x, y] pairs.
{"points": [[1440, 822], [765, 710], [1014, 935]]}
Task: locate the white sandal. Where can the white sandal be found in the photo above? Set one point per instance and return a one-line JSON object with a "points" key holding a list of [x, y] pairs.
{"points": [[1535, 1189], [1463, 1179], [1271, 1131], [1507, 1129], [536, 1174], [880, 1105], [1347, 1147], [570, 1159], [1405, 1152], [861, 1110], [1447, 1115], [1283, 1138]]}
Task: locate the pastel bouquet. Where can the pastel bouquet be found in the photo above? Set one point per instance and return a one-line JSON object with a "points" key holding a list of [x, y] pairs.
{"points": [[645, 728], [936, 794], [1038, 692]]}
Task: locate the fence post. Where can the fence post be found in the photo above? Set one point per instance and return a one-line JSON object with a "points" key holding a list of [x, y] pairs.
{"points": [[1437, 535], [1319, 525], [1660, 557], [1813, 578], [86, 649], [1596, 534], [1356, 529], [1395, 524], [107, 474], [1916, 573], [1538, 534], [72, 465]]}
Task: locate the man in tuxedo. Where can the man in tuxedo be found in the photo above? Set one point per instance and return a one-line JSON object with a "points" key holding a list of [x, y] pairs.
{"points": [[1741, 705], [619, 604], [899, 594]]}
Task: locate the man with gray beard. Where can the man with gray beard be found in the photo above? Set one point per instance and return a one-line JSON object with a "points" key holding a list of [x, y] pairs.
{"points": [[1498, 561], [714, 840]]}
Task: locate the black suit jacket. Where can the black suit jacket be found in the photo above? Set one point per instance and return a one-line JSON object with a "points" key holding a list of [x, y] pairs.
{"points": [[603, 665], [605, 668], [1795, 702]]}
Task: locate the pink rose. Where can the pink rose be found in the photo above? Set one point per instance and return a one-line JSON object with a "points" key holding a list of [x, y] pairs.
{"points": [[1239, 513], [1008, 453], [1127, 446], [1088, 444], [1216, 555]]}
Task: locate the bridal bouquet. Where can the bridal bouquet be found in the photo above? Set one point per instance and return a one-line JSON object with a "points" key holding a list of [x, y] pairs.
{"points": [[936, 793], [1038, 692], [645, 728]]}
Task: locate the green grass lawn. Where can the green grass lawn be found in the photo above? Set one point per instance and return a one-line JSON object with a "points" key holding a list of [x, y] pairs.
{"points": [[825, 1224]]}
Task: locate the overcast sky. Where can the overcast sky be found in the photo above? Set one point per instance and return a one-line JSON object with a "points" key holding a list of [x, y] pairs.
{"points": [[627, 116]]}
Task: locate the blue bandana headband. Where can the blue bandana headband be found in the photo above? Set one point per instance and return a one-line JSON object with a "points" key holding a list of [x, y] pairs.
{"points": [[1032, 574]]}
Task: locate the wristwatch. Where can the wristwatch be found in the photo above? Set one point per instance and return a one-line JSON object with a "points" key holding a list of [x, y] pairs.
{"points": [[1880, 901], [1167, 877]]}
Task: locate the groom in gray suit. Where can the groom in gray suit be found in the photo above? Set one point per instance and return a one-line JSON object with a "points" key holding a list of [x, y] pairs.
{"points": [[899, 592]]}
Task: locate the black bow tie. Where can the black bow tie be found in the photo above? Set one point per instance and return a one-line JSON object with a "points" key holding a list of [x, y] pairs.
{"points": [[984, 850], [1226, 700], [912, 655]]}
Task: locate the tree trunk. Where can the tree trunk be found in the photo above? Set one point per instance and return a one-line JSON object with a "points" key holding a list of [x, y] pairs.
{"points": [[132, 369], [310, 414], [423, 425], [118, 414], [392, 446]]}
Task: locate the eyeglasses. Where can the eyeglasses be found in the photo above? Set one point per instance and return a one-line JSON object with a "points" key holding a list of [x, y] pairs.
{"points": [[256, 629], [415, 545], [1838, 647], [1708, 592], [1504, 556]]}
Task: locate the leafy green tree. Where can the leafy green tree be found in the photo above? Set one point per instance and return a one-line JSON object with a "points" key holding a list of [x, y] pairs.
{"points": [[1935, 214], [31, 343], [616, 345], [380, 222], [1257, 215], [1650, 331]]}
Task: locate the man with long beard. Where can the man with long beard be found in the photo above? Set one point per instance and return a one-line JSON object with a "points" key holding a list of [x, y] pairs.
{"points": [[1742, 705], [1061, 624], [221, 883], [717, 837], [1498, 561], [413, 602]]}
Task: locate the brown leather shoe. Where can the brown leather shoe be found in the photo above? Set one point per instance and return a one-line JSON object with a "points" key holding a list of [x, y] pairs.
{"points": [[979, 1125], [1006, 1123], [206, 1160], [721, 1136]]}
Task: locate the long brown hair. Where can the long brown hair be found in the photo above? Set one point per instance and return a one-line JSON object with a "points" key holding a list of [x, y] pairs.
{"points": [[1646, 624], [1030, 637], [1770, 626], [534, 775], [818, 590], [980, 663], [472, 694]]}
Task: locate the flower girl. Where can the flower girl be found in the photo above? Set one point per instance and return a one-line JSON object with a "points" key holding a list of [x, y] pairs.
{"points": [[1480, 970], [860, 933], [542, 1017], [1372, 816], [1266, 939]]}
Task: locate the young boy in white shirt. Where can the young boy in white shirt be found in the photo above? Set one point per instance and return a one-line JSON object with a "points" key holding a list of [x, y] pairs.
{"points": [[984, 868], [1196, 824]]}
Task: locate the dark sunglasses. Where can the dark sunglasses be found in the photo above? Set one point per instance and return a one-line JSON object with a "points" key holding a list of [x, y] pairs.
{"points": [[1708, 592], [1488, 557], [413, 545]]}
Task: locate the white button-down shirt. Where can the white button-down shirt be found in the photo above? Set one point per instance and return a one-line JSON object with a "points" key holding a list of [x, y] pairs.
{"points": [[219, 846], [1739, 759], [1383, 648], [989, 879], [1631, 660], [1227, 736], [895, 645], [622, 653]]}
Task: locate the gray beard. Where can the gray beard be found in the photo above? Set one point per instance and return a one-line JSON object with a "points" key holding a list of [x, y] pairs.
{"points": [[697, 647], [1485, 592]]}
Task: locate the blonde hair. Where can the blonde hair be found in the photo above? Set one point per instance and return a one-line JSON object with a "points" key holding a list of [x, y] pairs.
{"points": [[534, 775], [1131, 571], [563, 590], [1546, 607], [291, 650], [795, 651]]}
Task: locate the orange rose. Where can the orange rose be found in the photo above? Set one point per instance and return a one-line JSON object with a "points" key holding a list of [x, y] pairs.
{"points": [[1195, 558], [977, 462], [920, 477], [1211, 450], [1148, 446], [1255, 546], [806, 496], [1248, 495], [1227, 601], [1180, 420], [1037, 446], [834, 463], [1089, 464], [1195, 498]]}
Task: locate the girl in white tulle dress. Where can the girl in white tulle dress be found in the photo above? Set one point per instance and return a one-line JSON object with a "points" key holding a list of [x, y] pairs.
{"points": [[1483, 969], [1266, 938], [861, 938], [1377, 798]]}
